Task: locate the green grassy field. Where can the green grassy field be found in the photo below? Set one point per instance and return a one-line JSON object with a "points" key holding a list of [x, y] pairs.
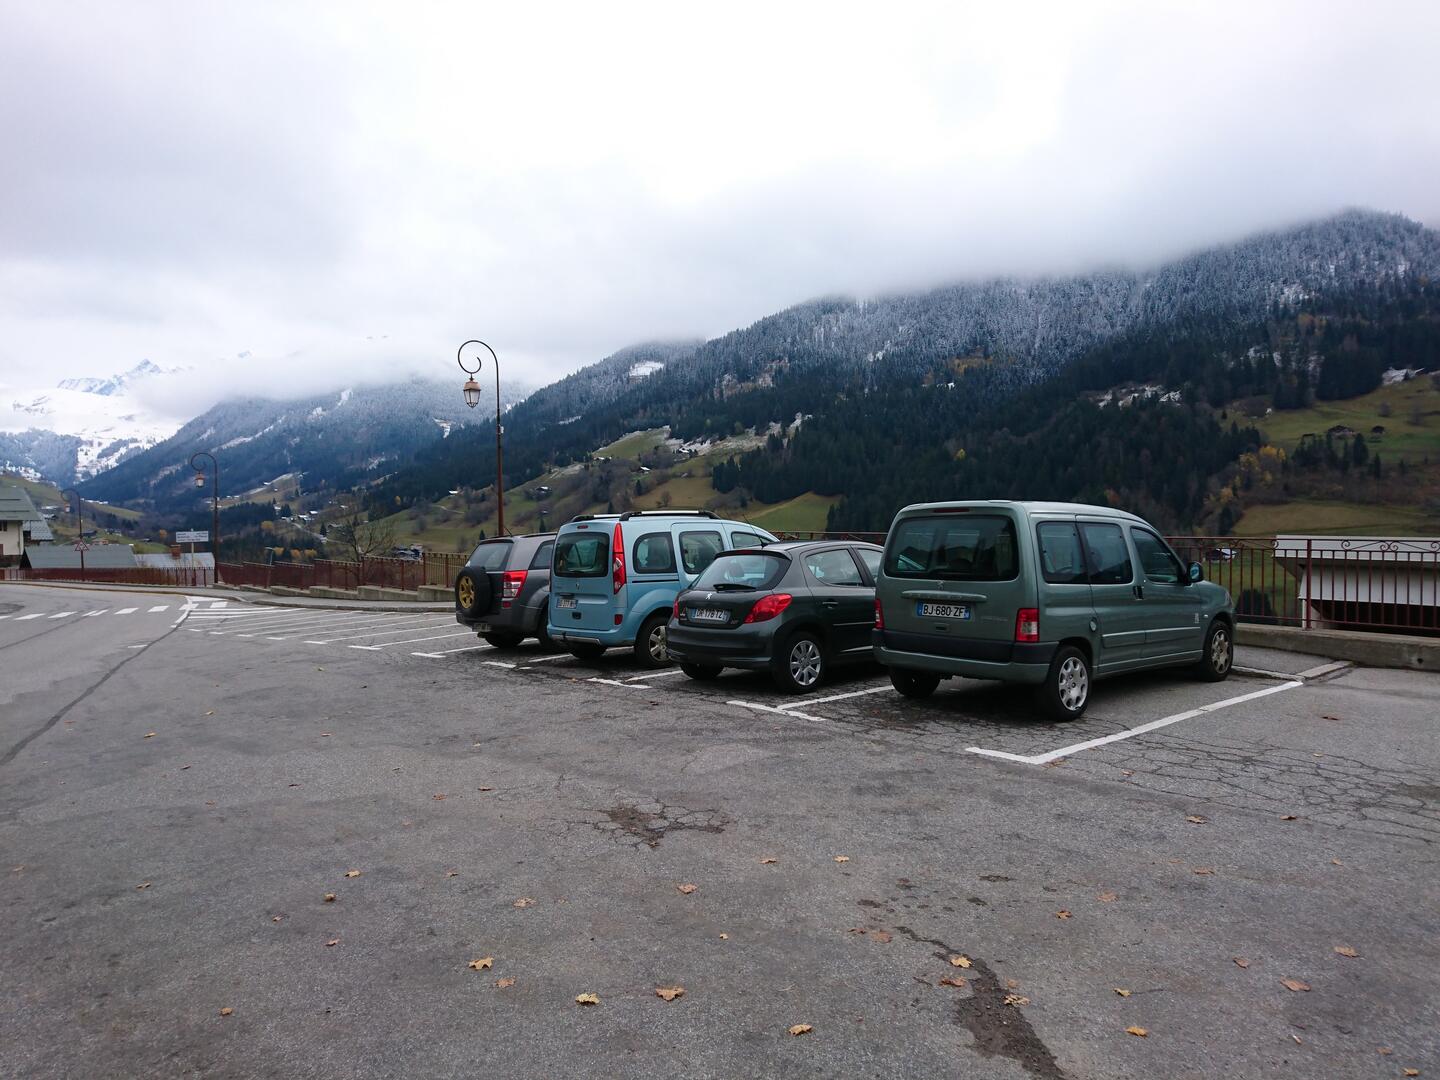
{"points": [[804, 513], [1401, 439], [1304, 516], [50, 496]]}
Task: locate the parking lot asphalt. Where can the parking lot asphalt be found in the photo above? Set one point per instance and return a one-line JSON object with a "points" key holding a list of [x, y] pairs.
{"points": [[947, 887]]}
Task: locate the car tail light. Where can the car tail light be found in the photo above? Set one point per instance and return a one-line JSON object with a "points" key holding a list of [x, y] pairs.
{"points": [[767, 607], [676, 613], [1027, 624], [879, 615], [514, 582], [617, 573]]}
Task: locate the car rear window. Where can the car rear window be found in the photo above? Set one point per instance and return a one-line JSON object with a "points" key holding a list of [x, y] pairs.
{"points": [[698, 548], [969, 547], [752, 571], [541, 561], [491, 555], [582, 554]]}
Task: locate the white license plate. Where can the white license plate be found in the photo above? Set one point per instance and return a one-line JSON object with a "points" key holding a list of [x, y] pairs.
{"points": [[942, 611], [705, 614], [565, 602]]}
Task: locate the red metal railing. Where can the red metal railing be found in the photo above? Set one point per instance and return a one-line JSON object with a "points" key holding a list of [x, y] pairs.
{"points": [[178, 577]]}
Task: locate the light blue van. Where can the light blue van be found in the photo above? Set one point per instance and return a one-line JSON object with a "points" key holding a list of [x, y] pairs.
{"points": [[615, 577]]}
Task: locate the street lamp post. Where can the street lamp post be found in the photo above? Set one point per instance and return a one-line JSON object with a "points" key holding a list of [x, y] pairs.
{"points": [[79, 526], [214, 502], [472, 398]]}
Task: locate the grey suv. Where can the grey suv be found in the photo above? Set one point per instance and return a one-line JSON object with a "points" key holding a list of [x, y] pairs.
{"points": [[503, 593]]}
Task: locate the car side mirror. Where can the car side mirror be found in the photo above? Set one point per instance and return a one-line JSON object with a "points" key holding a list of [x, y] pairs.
{"points": [[1197, 573]]}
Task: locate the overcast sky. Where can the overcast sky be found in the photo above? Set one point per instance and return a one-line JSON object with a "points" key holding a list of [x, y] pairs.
{"points": [[342, 190]]}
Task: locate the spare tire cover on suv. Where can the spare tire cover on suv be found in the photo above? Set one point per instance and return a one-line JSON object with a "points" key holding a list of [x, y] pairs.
{"points": [[472, 592]]}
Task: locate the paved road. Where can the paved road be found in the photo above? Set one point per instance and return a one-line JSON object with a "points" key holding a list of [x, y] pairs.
{"points": [[180, 789]]}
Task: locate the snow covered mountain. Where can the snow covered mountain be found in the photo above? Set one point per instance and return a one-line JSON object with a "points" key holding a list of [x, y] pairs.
{"points": [[79, 427]]}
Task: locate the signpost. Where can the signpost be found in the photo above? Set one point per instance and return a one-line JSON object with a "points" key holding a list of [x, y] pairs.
{"points": [[193, 536]]}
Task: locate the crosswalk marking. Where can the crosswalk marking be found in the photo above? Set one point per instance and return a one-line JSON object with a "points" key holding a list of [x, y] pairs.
{"points": [[23, 618], [62, 614], [126, 611], [92, 614], [159, 607]]}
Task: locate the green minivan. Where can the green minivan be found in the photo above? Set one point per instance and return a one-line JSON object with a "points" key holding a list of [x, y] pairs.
{"points": [[1054, 595]]}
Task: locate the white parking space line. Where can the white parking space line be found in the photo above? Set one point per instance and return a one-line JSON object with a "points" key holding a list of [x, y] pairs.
{"points": [[654, 675], [411, 641], [497, 663], [547, 659], [4, 616], [447, 652], [24, 618], [1154, 725], [405, 626], [617, 682], [778, 712], [837, 697], [126, 611], [158, 607], [62, 614]]}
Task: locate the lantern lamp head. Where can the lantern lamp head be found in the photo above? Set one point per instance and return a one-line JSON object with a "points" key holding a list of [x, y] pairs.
{"points": [[472, 392], [200, 480]]}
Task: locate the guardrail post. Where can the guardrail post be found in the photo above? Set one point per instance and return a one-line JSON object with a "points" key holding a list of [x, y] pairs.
{"points": [[1309, 580]]}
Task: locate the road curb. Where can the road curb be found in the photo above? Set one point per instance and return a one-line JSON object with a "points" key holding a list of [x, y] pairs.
{"points": [[1357, 646]]}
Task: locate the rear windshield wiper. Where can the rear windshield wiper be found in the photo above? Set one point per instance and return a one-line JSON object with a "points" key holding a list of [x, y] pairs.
{"points": [[733, 586]]}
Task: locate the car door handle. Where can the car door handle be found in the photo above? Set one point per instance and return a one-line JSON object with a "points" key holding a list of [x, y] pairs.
{"points": [[1139, 591], [829, 603]]}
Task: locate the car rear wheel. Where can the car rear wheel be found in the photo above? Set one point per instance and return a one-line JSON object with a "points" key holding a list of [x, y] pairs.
{"points": [[502, 640], [1066, 689], [913, 684], [586, 652], [1219, 655], [472, 592], [650, 647], [799, 665], [701, 672]]}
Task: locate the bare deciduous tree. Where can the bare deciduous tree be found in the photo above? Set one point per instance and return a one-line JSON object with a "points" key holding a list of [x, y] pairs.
{"points": [[361, 541]]}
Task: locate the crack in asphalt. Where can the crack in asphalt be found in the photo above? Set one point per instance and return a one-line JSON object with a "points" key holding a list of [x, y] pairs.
{"points": [[649, 823], [15, 751], [999, 1029]]}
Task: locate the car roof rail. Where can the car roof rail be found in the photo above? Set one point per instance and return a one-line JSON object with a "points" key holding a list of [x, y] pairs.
{"points": [[667, 513]]}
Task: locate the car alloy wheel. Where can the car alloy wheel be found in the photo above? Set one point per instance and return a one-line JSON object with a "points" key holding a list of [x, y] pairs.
{"points": [[805, 663], [656, 645], [1074, 684], [1220, 650], [465, 592]]}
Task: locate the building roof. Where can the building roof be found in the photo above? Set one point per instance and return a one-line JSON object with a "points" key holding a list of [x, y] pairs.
{"points": [[65, 557], [15, 505], [38, 531]]}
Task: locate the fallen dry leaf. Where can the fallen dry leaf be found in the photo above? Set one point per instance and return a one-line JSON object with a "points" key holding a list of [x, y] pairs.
{"points": [[1122, 993], [226, 1011], [842, 858], [482, 964], [587, 999], [1346, 950], [1127, 772], [484, 789], [325, 734], [1012, 984], [687, 888], [1197, 819], [669, 993], [143, 885], [882, 936], [329, 898], [960, 961], [437, 796], [1384, 1051], [953, 981], [1411, 1072], [452, 873], [1134, 1029], [150, 734], [800, 1029], [1336, 862], [352, 873], [724, 937], [277, 918], [1295, 985], [524, 902], [1204, 870], [1062, 914], [1016, 1000], [332, 942], [769, 859], [184, 767], [1106, 897], [209, 712], [1289, 817], [1240, 961], [504, 984]]}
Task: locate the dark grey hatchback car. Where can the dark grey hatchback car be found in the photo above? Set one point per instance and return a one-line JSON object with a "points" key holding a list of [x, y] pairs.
{"points": [[503, 594], [795, 609]]}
